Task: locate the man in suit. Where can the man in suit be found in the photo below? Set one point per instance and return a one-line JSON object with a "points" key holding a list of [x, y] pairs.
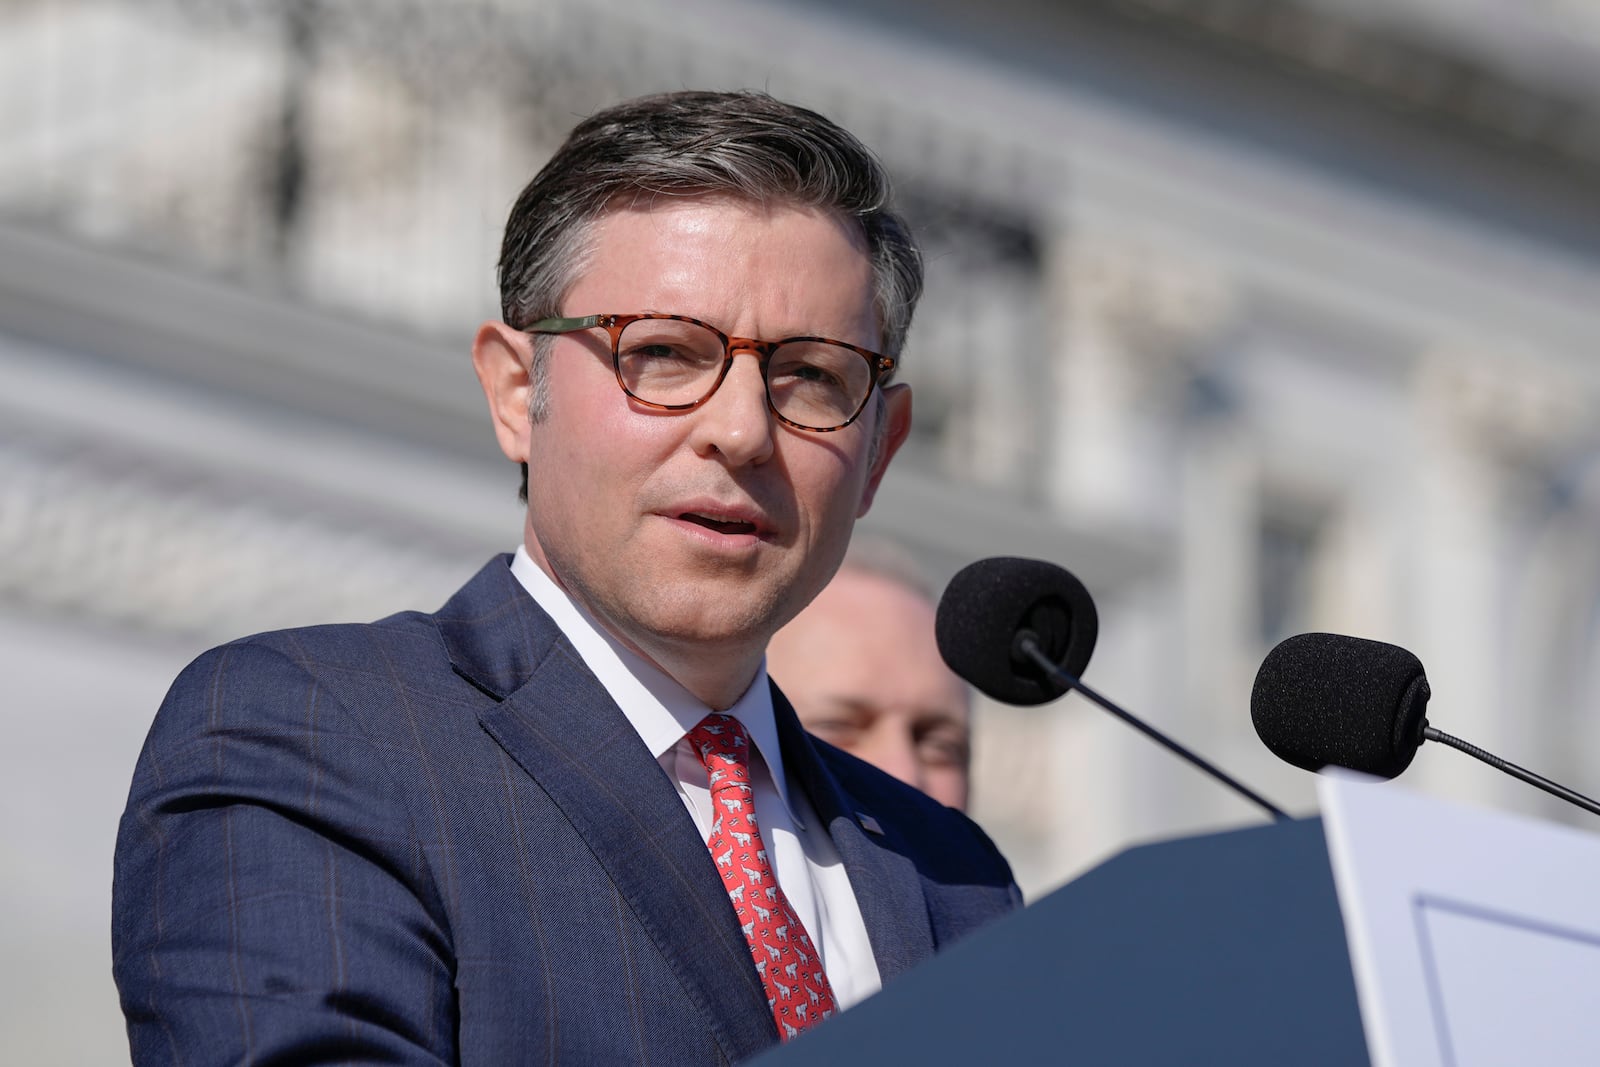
{"points": [[887, 695], [566, 816]]}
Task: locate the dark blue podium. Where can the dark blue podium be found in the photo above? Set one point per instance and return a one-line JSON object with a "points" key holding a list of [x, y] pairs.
{"points": [[1222, 949]]}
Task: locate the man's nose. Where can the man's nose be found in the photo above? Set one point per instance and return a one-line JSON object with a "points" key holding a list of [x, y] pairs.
{"points": [[735, 420]]}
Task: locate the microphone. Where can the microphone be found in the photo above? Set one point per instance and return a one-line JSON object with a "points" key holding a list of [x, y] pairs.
{"points": [[1022, 631], [1323, 699], [990, 607]]}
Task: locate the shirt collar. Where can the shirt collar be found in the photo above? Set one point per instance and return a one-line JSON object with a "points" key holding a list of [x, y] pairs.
{"points": [[660, 710]]}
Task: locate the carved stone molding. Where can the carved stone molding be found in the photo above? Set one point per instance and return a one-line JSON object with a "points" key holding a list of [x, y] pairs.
{"points": [[1156, 298], [1519, 410], [158, 549], [1159, 316]]}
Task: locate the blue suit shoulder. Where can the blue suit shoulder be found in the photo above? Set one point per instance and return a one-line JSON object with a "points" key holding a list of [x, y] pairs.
{"points": [[343, 662], [271, 815]]}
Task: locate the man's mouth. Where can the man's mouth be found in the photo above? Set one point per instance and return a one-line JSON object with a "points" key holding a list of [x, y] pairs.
{"points": [[720, 525]]}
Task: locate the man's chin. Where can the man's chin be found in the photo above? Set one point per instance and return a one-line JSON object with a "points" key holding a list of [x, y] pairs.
{"points": [[730, 619], [716, 635]]}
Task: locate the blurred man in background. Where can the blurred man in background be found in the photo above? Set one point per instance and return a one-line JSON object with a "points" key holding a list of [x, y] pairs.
{"points": [[864, 673]]}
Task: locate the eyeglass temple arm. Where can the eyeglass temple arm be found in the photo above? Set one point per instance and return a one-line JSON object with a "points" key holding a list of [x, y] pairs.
{"points": [[558, 325]]}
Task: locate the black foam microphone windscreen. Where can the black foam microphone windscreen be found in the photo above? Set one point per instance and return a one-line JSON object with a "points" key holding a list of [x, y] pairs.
{"points": [[989, 604], [1323, 699]]}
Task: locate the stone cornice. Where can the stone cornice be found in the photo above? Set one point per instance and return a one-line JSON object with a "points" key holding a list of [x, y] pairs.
{"points": [[168, 550], [1410, 73], [1394, 64], [250, 345]]}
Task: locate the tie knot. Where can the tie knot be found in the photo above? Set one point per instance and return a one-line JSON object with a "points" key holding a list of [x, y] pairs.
{"points": [[724, 748]]}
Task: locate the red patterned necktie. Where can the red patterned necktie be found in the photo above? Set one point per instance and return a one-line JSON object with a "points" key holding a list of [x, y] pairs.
{"points": [[787, 960]]}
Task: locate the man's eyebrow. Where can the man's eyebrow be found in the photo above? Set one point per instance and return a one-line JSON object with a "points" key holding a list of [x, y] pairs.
{"points": [[850, 702]]}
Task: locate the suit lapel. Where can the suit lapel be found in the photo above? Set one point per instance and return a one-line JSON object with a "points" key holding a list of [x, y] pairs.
{"points": [[559, 724], [887, 887]]}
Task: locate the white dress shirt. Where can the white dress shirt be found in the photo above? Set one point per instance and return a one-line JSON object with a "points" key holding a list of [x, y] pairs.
{"points": [[804, 860]]}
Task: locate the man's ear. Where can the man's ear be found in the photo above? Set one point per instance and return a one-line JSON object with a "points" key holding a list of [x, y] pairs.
{"points": [[897, 427], [502, 356]]}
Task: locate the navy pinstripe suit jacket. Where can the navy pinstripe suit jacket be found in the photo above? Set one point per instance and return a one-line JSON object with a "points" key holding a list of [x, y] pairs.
{"points": [[436, 839]]}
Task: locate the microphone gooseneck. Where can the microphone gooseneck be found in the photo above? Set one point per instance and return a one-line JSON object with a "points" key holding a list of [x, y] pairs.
{"points": [[1022, 631], [1326, 699], [1571, 796], [1044, 663]]}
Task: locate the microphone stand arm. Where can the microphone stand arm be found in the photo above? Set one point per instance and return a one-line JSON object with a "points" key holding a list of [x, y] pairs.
{"points": [[1027, 646], [1553, 788]]}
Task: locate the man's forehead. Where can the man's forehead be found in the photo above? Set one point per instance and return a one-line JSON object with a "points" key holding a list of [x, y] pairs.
{"points": [[861, 608], [656, 243], [866, 584]]}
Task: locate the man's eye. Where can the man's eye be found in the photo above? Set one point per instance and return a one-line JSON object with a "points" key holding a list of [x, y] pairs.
{"points": [[835, 730], [806, 374], [658, 352], [943, 751], [814, 374]]}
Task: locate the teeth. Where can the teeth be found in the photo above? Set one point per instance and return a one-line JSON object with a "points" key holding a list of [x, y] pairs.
{"points": [[724, 525]]}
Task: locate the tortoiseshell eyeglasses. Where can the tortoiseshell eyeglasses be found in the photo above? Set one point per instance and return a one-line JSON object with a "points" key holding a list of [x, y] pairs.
{"points": [[675, 363]]}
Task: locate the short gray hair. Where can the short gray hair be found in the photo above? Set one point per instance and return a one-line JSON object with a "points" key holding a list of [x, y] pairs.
{"points": [[745, 145]]}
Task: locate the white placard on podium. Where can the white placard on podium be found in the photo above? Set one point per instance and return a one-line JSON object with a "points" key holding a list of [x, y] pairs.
{"points": [[1474, 935]]}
